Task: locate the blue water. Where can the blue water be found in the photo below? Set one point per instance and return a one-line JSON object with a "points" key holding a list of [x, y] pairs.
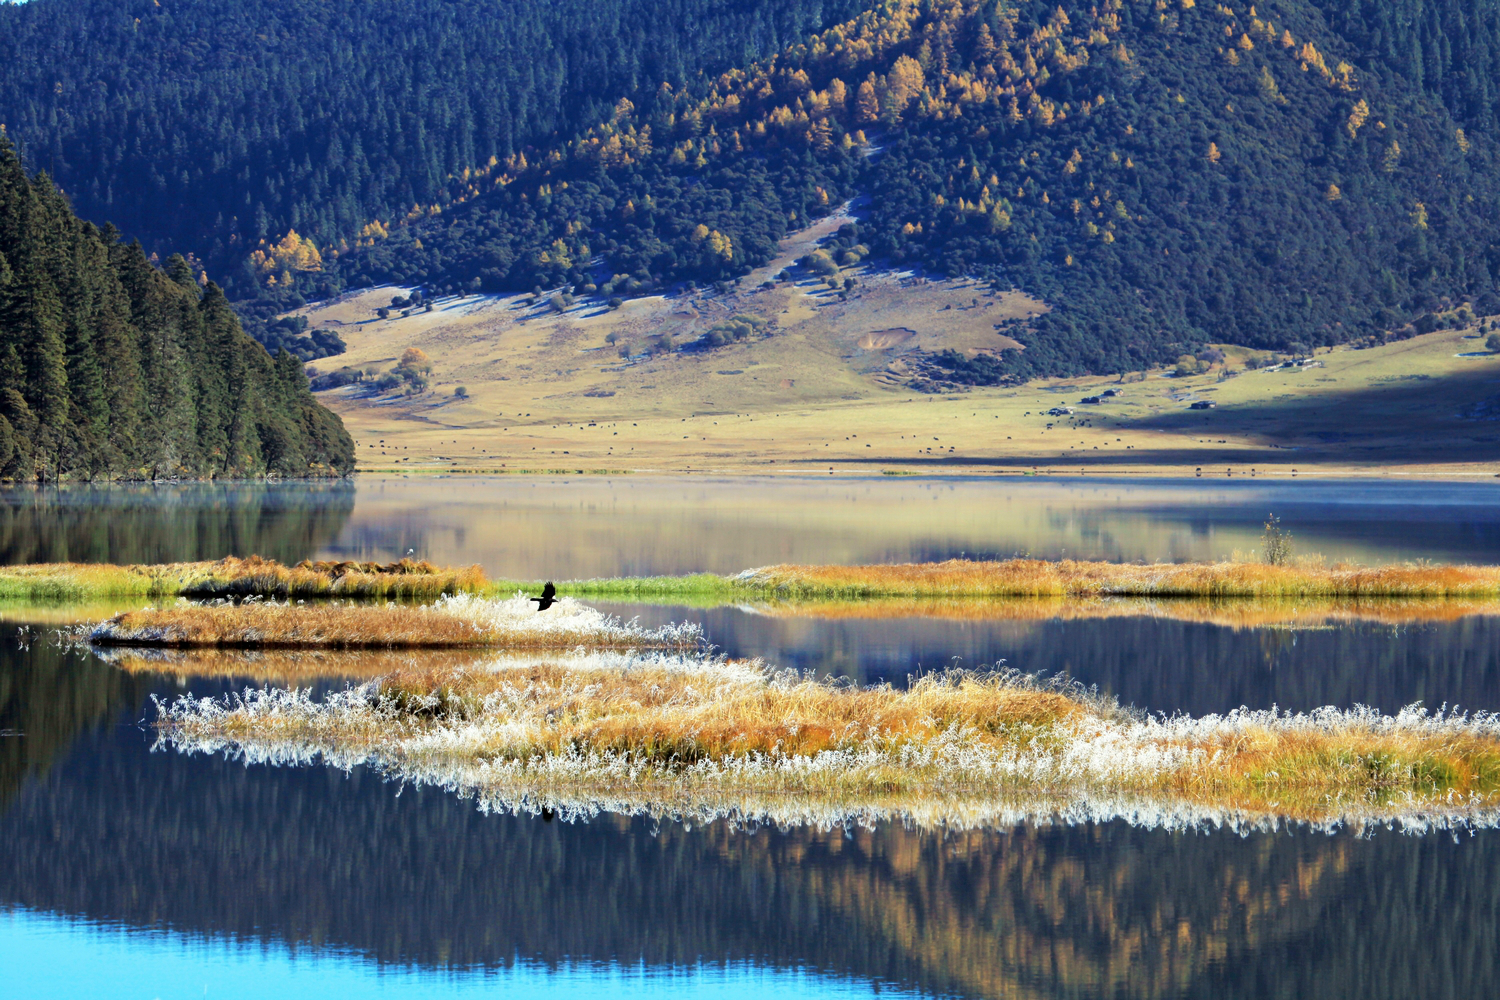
{"points": [[45, 957], [133, 873]]}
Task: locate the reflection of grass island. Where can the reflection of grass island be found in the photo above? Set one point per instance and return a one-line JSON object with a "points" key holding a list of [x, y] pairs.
{"points": [[696, 736]]}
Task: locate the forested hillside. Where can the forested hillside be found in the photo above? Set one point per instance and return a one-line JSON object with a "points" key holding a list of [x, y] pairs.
{"points": [[1165, 173], [110, 368], [223, 127]]}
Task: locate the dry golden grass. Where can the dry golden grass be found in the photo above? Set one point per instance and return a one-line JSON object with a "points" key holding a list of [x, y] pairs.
{"points": [[408, 579], [231, 577], [458, 621], [673, 728], [1069, 578]]}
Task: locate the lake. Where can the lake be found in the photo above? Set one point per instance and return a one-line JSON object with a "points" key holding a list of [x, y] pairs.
{"points": [[133, 871]]}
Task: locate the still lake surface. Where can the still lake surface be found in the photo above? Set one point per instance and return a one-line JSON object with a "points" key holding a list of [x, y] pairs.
{"points": [[133, 873]]}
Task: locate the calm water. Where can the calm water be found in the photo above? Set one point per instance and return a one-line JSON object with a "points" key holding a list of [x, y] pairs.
{"points": [[132, 873]]}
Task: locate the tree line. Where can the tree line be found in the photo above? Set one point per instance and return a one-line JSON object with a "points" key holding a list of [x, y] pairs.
{"points": [[1165, 175], [111, 367], [223, 128]]}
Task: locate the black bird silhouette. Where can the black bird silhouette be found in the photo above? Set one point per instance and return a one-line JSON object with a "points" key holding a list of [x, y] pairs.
{"points": [[548, 598]]}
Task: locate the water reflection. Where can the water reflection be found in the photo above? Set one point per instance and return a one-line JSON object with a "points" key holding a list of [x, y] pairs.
{"points": [[1149, 661], [46, 957], [339, 871], [319, 862], [534, 528], [151, 523]]}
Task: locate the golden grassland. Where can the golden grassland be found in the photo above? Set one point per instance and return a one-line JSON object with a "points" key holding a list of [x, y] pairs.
{"points": [[232, 577], [829, 392], [695, 734], [1070, 578], [287, 667], [458, 621]]}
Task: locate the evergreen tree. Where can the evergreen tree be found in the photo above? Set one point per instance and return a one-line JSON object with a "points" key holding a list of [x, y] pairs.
{"points": [[112, 368]]}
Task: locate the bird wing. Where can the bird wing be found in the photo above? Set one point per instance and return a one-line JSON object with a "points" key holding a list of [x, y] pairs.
{"points": [[549, 591]]}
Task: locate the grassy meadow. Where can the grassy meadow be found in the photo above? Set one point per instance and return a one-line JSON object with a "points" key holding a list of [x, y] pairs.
{"points": [[232, 577], [831, 391]]}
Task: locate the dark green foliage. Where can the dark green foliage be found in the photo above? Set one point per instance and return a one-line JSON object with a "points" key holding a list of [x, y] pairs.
{"points": [[1212, 192], [110, 368], [642, 218], [1247, 249], [733, 330], [216, 125], [1200, 181]]}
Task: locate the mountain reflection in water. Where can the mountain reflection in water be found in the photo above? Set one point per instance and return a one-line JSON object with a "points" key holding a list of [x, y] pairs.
{"points": [[325, 862]]}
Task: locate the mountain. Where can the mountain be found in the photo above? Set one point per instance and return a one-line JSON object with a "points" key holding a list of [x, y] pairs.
{"points": [[225, 127], [111, 368], [1165, 175]]}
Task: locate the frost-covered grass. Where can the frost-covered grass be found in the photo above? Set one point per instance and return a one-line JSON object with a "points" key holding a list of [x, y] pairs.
{"points": [[697, 736], [459, 620]]}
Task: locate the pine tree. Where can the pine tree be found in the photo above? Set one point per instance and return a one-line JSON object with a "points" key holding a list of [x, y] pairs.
{"points": [[110, 368]]}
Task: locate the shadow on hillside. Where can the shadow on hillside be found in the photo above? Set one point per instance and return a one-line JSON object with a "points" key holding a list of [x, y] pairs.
{"points": [[1413, 419]]}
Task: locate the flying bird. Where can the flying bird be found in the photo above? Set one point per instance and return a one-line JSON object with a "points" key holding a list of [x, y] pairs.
{"points": [[548, 598]]}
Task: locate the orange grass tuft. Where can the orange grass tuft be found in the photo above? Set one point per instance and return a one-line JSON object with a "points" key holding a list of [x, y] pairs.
{"points": [[289, 667], [1070, 578], [232, 577]]}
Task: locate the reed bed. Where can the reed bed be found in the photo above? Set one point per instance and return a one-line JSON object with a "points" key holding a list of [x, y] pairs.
{"points": [[407, 579], [457, 621], [692, 735], [231, 577], [1070, 578]]}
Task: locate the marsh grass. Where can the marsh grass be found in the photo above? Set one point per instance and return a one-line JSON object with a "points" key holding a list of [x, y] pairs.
{"points": [[407, 579], [231, 577], [1069, 578], [457, 621], [289, 667], [693, 736]]}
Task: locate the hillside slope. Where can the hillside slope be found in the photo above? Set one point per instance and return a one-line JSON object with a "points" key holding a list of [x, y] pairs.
{"points": [[1164, 175], [221, 127]]}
